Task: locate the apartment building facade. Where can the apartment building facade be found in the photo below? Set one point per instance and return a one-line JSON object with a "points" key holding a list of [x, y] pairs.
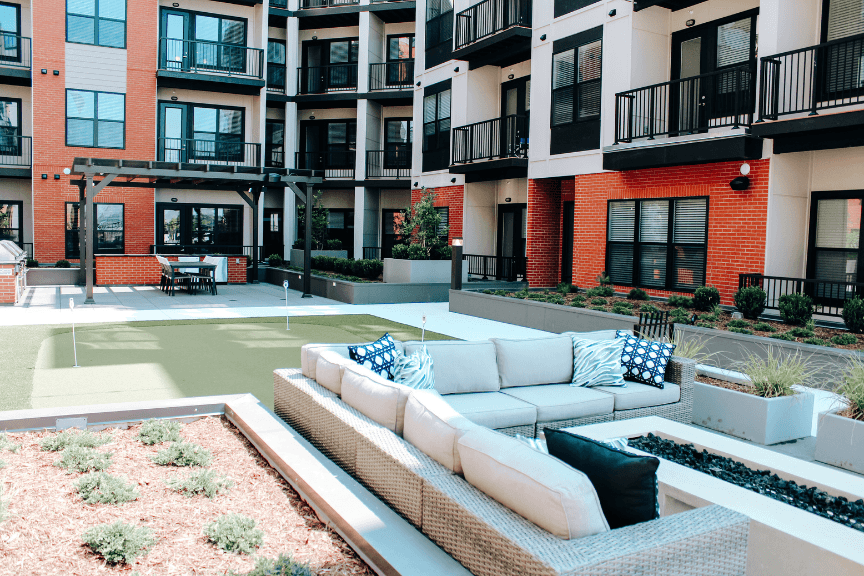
{"points": [[672, 143]]}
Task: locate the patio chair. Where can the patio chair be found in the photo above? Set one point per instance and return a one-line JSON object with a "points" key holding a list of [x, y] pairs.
{"points": [[173, 277], [205, 278], [164, 278]]}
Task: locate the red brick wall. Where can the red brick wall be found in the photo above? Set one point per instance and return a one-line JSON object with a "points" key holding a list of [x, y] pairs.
{"points": [[144, 269], [50, 154], [736, 220], [236, 270], [454, 198], [544, 232], [7, 287]]}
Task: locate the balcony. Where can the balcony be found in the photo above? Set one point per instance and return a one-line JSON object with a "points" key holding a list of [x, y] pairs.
{"points": [[391, 76], [685, 115], [494, 32], [797, 85], [339, 164], [15, 60], [494, 149], [210, 66], [327, 79], [389, 164], [212, 152], [274, 156], [16, 159]]}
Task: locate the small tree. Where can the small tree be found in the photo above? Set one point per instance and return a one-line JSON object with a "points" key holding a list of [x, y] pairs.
{"points": [[422, 224], [320, 216]]}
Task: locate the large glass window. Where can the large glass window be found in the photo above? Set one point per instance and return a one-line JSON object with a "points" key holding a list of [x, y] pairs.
{"points": [[109, 230], [276, 65], [274, 146], [658, 243], [100, 22], [436, 130], [835, 249], [398, 135], [439, 31], [10, 29], [95, 119], [220, 43], [10, 127], [193, 227], [576, 77], [11, 227]]}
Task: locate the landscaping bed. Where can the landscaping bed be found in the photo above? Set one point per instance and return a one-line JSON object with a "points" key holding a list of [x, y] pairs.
{"points": [[46, 515], [813, 500]]}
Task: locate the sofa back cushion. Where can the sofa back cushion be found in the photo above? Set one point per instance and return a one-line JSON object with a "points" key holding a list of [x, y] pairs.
{"points": [[434, 427], [309, 355], [531, 361], [329, 369], [546, 491], [375, 397], [461, 367], [595, 335]]}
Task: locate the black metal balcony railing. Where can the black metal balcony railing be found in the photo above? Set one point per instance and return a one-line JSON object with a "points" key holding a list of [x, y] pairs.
{"points": [[509, 268], [279, 4], [490, 17], [15, 51], [394, 164], [339, 164], [15, 150], [210, 58], [209, 151], [276, 78], [326, 3], [397, 75], [686, 106], [820, 77], [274, 156], [828, 296], [372, 253], [321, 79], [505, 137]]}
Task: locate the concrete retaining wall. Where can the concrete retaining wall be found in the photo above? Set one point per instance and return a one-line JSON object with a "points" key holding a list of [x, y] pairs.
{"points": [[55, 277], [361, 292]]}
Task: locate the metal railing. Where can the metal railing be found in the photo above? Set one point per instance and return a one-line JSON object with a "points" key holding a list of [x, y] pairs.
{"points": [[505, 137], [333, 78], [372, 253], [274, 157], [224, 152], [397, 75], [198, 56], [509, 268], [338, 164], [326, 3], [279, 4], [686, 106], [276, 78], [15, 150], [819, 77], [210, 250], [389, 163], [828, 295], [490, 17], [15, 51]]}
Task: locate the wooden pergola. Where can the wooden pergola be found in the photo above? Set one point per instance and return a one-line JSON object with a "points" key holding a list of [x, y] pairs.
{"points": [[91, 175]]}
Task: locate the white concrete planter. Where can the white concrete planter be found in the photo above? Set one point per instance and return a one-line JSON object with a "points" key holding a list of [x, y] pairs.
{"points": [[761, 420], [398, 271], [297, 255], [840, 442]]}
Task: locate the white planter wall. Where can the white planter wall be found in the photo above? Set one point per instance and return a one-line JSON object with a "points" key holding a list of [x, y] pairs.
{"points": [[840, 442], [398, 271]]}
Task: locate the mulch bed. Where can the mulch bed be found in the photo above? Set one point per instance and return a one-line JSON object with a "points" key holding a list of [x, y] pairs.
{"points": [[336, 276], [813, 500], [46, 516], [727, 385]]}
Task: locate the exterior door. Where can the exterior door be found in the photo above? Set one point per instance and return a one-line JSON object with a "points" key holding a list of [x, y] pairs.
{"points": [[567, 243], [175, 33], [173, 146], [390, 219], [512, 219], [10, 30], [272, 236], [515, 111]]}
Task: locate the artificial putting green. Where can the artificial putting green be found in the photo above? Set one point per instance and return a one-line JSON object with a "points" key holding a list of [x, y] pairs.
{"points": [[137, 361]]}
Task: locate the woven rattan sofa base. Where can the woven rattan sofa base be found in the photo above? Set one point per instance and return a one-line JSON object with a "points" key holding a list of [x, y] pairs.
{"points": [[679, 411], [527, 430], [559, 424], [339, 430], [395, 471], [294, 398]]}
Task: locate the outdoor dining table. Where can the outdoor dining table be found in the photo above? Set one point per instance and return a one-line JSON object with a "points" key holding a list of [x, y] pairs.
{"points": [[208, 267]]}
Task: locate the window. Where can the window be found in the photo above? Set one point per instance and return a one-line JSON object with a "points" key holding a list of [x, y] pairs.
{"points": [[398, 135], [109, 232], [563, 7], [658, 243], [201, 133], [576, 92], [835, 242], [95, 119], [274, 146], [436, 127], [400, 47], [10, 127], [214, 39], [276, 66], [100, 22], [10, 29], [439, 31], [200, 225], [11, 227]]}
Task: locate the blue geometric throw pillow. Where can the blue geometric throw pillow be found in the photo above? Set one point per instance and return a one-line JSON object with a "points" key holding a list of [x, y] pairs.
{"points": [[378, 356], [645, 360]]}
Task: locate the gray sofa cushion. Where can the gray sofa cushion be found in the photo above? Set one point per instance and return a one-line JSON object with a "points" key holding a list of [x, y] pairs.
{"points": [[530, 361], [461, 367], [563, 402], [375, 397], [434, 427], [493, 409], [636, 395], [596, 335], [309, 354]]}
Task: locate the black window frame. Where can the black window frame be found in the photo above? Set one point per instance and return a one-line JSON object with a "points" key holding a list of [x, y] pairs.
{"points": [[563, 7], [812, 249], [20, 228], [398, 154], [13, 148], [96, 18], [637, 243], [438, 45], [437, 157], [281, 67], [95, 119], [188, 131], [185, 231], [71, 234], [444, 214], [270, 147], [413, 47], [18, 48], [579, 134]]}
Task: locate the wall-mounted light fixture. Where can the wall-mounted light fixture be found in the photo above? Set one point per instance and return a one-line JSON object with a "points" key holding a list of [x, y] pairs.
{"points": [[508, 199], [173, 199], [174, 98], [690, 22], [740, 183], [415, 184], [311, 117], [56, 176], [452, 180], [44, 176], [456, 69], [44, 71], [745, 169], [542, 37], [176, 4], [56, 72], [418, 83], [613, 12], [510, 76]]}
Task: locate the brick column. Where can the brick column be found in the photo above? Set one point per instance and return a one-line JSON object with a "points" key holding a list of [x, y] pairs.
{"points": [[544, 232]]}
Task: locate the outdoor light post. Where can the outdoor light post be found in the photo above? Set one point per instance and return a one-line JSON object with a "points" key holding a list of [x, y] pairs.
{"points": [[456, 268]]}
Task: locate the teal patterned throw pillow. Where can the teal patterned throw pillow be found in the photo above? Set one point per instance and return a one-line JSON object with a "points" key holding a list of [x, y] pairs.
{"points": [[414, 370], [597, 362]]}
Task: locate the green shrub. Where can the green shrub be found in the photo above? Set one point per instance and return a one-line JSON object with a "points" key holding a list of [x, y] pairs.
{"points": [[578, 304], [750, 301], [774, 374], [32, 263], [342, 265], [680, 302], [783, 336], [555, 299], [274, 260], [680, 316], [565, 288], [442, 253], [796, 309], [817, 342], [599, 301], [370, 269], [158, 431], [207, 482], [284, 565], [500, 293], [83, 459], [183, 454], [578, 298], [324, 263], [605, 291], [119, 542], [738, 324], [741, 330], [853, 315], [6, 444], [705, 298], [764, 327], [622, 304], [598, 308], [709, 317], [67, 438], [801, 333], [521, 294], [334, 244], [103, 488], [234, 533], [416, 252], [62, 264], [649, 309], [702, 324], [637, 294], [844, 340], [400, 251]]}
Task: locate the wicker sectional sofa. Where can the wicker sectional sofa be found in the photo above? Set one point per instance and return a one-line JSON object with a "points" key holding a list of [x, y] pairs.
{"points": [[364, 427]]}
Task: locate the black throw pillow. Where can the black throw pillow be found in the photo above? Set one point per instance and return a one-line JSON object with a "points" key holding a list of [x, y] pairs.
{"points": [[626, 484]]}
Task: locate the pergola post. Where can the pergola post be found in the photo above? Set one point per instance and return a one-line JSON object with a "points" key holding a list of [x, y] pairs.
{"points": [[301, 190], [252, 200], [91, 190], [82, 229]]}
